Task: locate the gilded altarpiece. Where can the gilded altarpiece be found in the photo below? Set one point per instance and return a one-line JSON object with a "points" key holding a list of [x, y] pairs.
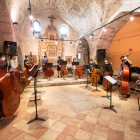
{"points": [[49, 46]]}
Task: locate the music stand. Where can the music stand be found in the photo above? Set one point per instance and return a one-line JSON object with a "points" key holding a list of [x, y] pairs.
{"points": [[49, 65], [75, 64], [112, 81], [35, 67], [96, 66], [87, 67], [107, 68], [63, 63], [35, 88]]}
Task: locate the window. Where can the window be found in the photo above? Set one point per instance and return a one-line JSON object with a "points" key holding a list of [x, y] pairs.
{"points": [[79, 55], [64, 31], [36, 27], [43, 52]]}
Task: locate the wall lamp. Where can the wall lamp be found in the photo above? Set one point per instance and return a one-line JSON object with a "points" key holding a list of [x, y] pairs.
{"points": [[15, 23]]}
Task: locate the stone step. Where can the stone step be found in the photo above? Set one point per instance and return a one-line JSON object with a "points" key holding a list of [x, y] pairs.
{"points": [[57, 82]]}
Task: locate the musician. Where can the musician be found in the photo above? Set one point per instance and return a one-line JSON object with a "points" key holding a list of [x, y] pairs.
{"points": [[26, 64], [91, 66], [127, 62], [12, 62], [2, 60], [44, 61], [74, 67], [58, 65]]}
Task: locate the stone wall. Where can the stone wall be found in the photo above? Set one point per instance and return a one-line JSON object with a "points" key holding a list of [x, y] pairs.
{"points": [[31, 45], [6, 32], [83, 16]]}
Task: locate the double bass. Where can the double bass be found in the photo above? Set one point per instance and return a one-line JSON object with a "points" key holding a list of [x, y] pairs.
{"points": [[63, 70], [125, 76], [49, 71], [16, 80], [107, 85], [9, 96], [79, 71], [94, 78]]}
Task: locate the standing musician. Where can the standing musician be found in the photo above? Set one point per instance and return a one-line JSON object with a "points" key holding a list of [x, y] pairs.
{"points": [[74, 67], [26, 64], [90, 68], [58, 65], [12, 61], [44, 61], [127, 62]]}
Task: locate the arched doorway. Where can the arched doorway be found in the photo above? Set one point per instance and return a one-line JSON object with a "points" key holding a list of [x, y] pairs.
{"points": [[83, 52]]}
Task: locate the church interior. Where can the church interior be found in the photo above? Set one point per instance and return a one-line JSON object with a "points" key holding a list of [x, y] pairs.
{"points": [[69, 70]]}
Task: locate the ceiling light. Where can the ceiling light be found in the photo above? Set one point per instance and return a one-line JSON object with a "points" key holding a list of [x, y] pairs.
{"points": [[31, 17], [33, 37], [31, 29], [132, 18]]}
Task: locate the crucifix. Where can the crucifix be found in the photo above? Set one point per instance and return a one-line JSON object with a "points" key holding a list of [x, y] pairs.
{"points": [[52, 18]]}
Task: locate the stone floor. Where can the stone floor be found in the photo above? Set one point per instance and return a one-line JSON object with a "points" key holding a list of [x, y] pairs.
{"points": [[64, 123]]}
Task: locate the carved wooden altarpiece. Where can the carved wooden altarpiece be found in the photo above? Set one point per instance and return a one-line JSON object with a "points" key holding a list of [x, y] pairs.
{"points": [[51, 48]]}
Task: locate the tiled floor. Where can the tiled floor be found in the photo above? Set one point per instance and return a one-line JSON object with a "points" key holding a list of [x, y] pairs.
{"points": [[62, 123]]}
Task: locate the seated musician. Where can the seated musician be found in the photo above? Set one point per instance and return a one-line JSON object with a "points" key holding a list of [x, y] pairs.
{"points": [[26, 64], [58, 65], [44, 61], [127, 62], [12, 62]]}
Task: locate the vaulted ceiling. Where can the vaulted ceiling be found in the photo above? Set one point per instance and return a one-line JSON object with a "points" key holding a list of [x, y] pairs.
{"points": [[84, 15]]}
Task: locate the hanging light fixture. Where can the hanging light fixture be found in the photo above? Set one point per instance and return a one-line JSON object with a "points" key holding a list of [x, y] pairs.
{"points": [[131, 18], [31, 17], [105, 29]]}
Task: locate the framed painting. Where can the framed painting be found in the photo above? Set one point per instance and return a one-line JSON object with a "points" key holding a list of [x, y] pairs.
{"points": [[68, 59]]}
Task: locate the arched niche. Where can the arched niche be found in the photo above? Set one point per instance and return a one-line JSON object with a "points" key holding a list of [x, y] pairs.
{"points": [[83, 48]]}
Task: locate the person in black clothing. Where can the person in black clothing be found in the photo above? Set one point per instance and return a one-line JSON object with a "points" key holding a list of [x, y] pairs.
{"points": [[128, 63], [58, 65], [26, 64], [90, 66]]}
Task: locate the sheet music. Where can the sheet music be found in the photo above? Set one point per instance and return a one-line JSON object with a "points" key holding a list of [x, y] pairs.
{"points": [[33, 67], [110, 79]]}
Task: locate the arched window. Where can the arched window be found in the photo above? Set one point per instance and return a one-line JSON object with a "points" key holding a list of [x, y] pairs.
{"points": [[64, 31], [36, 27]]}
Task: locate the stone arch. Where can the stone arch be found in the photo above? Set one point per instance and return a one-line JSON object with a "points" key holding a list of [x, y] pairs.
{"points": [[83, 47], [106, 37]]}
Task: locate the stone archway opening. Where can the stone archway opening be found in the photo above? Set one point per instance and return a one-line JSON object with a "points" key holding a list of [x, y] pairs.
{"points": [[83, 48]]}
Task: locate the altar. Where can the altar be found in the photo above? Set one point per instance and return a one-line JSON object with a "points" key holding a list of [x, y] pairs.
{"points": [[52, 46]]}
